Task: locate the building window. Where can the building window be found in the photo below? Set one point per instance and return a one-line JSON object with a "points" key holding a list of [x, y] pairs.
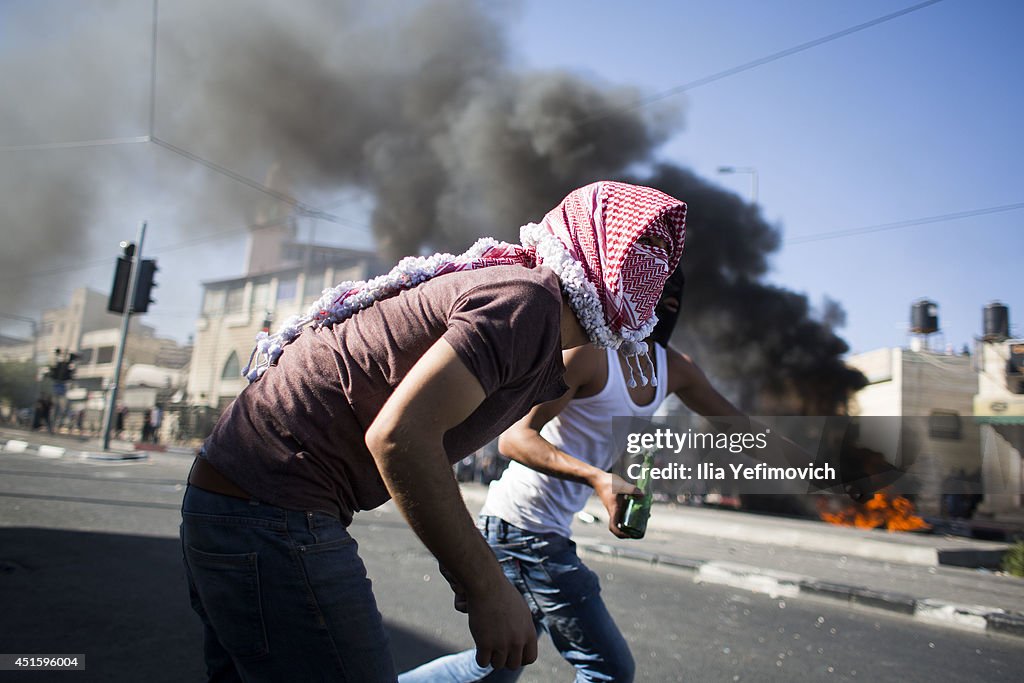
{"points": [[231, 368], [314, 286], [944, 424], [235, 302], [213, 302], [260, 296], [104, 355], [286, 289]]}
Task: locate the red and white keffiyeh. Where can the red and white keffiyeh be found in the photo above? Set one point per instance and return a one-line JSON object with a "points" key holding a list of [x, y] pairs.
{"points": [[589, 240], [599, 225]]}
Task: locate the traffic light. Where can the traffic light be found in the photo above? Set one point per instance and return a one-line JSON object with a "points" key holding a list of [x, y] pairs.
{"points": [[144, 286], [143, 289], [119, 290]]}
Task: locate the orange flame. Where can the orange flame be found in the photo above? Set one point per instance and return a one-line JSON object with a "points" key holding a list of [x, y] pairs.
{"points": [[896, 514]]}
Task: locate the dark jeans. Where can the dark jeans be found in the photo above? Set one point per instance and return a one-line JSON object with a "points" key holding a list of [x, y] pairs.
{"points": [[283, 594], [565, 598]]}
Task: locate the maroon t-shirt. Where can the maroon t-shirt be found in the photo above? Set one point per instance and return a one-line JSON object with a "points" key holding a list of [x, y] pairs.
{"points": [[295, 437]]}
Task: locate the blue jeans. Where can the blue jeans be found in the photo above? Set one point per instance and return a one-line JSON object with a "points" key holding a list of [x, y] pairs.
{"points": [[282, 594], [565, 598]]}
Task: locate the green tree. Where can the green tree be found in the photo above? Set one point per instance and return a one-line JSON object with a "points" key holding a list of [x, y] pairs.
{"points": [[18, 383], [1013, 560]]}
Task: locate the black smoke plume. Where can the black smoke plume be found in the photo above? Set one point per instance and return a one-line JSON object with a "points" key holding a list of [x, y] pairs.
{"points": [[420, 107], [766, 341]]}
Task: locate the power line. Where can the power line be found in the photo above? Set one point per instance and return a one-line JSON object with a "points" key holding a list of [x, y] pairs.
{"points": [[152, 70], [173, 246], [101, 142], [303, 208], [761, 61], [881, 227], [320, 214], [314, 212], [186, 244], [107, 261], [237, 177], [851, 232], [159, 250], [224, 234], [58, 270]]}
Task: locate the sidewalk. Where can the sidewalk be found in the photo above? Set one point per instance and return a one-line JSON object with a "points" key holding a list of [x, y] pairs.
{"points": [[58, 445], [922, 575]]}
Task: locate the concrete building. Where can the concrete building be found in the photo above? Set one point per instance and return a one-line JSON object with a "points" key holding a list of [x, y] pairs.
{"points": [[919, 383], [999, 410], [973, 407], [85, 328], [62, 328], [283, 277], [933, 394]]}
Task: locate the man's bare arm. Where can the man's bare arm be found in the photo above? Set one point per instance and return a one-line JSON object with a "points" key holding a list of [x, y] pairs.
{"points": [[691, 385], [406, 441], [523, 442], [687, 381]]}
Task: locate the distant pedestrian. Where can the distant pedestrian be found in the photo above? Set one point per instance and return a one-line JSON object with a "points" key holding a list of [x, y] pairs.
{"points": [[43, 411], [37, 414], [156, 418], [147, 425], [122, 412]]}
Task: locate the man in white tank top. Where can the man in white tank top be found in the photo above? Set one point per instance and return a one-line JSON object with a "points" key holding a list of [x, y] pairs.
{"points": [[561, 452]]}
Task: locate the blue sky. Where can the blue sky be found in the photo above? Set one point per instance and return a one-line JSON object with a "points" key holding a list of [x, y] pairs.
{"points": [[917, 117]]}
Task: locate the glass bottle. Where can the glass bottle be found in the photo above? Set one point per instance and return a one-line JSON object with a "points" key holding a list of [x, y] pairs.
{"points": [[637, 510]]}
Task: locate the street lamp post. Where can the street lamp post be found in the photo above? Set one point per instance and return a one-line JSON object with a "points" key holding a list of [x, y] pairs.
{"points": [[744, 169]]}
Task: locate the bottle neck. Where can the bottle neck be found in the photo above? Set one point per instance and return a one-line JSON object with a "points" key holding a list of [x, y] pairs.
{"points": [[644, 482]]}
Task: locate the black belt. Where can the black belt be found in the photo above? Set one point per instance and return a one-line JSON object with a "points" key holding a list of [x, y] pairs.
{"points": [[206, 477]]}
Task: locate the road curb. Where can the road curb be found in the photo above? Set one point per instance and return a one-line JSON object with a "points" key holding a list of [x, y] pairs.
{"points": [[17, 446], [783, 584], [54, 452], [113, 455]]}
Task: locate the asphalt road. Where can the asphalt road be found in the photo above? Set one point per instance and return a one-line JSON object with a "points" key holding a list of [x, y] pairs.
{"points": [[90, 563]]}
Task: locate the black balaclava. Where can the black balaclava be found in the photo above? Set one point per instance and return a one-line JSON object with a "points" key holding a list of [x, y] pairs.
{"points": [[667, 318]]}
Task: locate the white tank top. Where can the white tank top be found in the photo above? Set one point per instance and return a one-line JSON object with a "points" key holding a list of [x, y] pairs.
{"points": [[543, 504]]}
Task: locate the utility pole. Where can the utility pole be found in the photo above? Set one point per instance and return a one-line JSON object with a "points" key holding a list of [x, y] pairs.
{"points": [[133, 281]]}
